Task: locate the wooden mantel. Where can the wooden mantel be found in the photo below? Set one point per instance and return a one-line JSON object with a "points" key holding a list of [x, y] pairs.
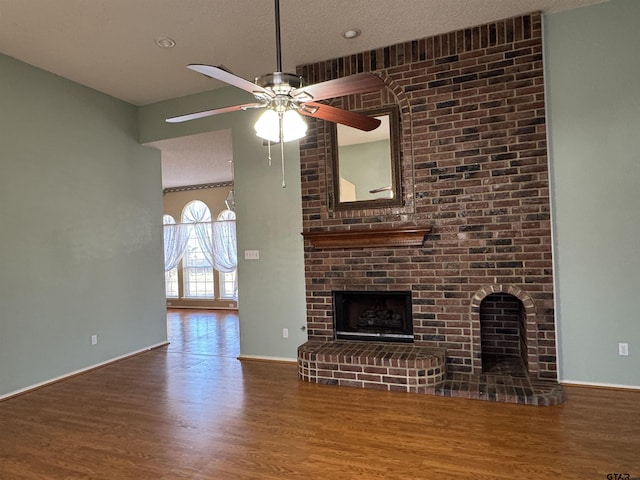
{"points": [[371, 237]]}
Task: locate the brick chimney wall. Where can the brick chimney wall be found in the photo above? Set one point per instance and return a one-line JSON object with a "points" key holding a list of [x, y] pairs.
{"points": [[474, 170]]}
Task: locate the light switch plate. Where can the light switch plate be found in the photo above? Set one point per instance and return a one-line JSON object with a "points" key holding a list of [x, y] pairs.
{"points": [[252, 254]]}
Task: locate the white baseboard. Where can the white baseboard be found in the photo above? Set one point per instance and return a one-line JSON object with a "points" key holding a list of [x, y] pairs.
{"points": [[185, 307], [78, 372], [268, 359], [599, 385]]}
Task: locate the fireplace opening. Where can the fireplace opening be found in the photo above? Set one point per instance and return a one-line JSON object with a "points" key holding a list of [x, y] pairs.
{"points": [[503, 335], [376, 316]]}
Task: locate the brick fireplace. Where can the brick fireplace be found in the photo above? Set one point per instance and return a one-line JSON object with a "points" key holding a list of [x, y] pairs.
{"points": [[373, 315], [474, 178]]}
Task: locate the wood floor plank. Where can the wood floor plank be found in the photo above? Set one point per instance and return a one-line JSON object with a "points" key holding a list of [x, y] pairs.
{"points": [[193, 411]]}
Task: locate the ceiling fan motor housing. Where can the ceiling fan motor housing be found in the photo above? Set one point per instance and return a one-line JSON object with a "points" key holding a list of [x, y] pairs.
{"points": [[279, 83]]}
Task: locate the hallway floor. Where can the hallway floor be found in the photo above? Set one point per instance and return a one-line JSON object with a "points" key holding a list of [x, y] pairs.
{"points": [[204, 332]]}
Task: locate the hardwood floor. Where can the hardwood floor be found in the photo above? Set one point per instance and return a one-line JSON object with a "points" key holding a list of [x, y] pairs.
{"points": [[193, 411]]}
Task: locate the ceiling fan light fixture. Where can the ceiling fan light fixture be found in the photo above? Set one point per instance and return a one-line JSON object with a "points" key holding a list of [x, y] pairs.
{"points": [[293, 126], [268, 126]]}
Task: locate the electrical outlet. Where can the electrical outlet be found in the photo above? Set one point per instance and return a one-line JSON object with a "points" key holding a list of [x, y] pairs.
{"points": [[623, 349], [94, 339], [285, 333]]}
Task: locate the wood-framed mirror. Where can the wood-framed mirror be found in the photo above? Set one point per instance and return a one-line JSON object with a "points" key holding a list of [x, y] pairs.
{"points": [[366, 165]]}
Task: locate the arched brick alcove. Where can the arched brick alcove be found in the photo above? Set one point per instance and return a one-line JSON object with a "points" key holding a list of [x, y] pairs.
{"points": [[503, 337], [530, 326]]}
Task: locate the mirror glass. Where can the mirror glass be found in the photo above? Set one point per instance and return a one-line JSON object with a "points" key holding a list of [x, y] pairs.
{"points": [[367, 163]]}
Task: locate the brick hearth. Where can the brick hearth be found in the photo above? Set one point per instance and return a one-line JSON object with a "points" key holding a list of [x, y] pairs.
{"points": [[408, 368], [383, 366]]}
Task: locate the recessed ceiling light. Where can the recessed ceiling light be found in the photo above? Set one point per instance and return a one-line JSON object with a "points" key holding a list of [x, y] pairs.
{"points": [[165, 42], [353, 33]]}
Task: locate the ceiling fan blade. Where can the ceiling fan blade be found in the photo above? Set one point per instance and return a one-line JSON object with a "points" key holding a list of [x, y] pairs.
{"points": [[231, 79], [215, 111], [358, 83], [338, 115]]}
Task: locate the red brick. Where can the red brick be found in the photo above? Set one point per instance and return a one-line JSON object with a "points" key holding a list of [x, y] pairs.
{"points": [[476, 216]]}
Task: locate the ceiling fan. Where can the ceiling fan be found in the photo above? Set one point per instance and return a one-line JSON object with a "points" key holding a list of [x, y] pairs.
{"points": [[284, 95]]}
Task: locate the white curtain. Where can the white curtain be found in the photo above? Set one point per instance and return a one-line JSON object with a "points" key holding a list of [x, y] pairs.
{"points": [[225, 250], [175, 242], [197, 214]]}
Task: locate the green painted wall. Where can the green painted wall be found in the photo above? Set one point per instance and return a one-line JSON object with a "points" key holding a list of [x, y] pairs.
{"points": [[80, 229], [593, 95], [269, 219]]}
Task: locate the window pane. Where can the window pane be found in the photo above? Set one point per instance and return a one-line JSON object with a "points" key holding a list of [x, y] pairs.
{"points": [[227, 284], [198, 282], [197, 273], [171, 283]]}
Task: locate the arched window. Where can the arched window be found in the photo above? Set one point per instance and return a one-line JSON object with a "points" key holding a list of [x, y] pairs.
{"points": [[197, 263]]}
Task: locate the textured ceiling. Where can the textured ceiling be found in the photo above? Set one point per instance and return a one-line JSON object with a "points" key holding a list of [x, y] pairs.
{"points": [[196, 159], [109, 45]]}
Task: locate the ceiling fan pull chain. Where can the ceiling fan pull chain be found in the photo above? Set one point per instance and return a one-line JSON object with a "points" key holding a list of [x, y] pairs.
{"points": [[269, 150], [284, 185], [281, 121]]}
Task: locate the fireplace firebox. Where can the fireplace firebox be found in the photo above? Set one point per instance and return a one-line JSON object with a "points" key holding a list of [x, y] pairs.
{"points": [[374, 316]]}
